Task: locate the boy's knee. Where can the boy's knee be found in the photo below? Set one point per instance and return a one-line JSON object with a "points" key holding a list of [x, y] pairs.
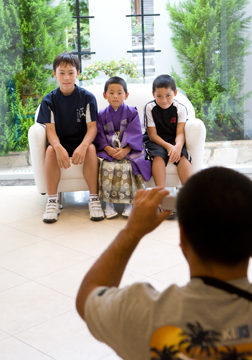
{"points": [[91, 151], [50, 151]]}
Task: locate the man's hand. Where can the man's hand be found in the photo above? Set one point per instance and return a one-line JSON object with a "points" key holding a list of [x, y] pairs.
{"points": [[121, 153], [111, 151], [79, 154], [145, 216], [174, 154], [62, 156]]}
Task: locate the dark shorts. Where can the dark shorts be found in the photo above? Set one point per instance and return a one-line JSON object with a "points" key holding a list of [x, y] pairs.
{"points": [[153, 149], [69, 144]]}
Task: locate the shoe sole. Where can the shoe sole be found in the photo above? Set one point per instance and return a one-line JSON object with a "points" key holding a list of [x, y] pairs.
{"points": [[96, 219], [112, 215], [50, 221]]}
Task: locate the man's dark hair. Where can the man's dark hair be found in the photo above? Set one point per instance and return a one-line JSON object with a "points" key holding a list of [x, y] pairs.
{"points": [[214, 209], [116, 80], [66, 58], [164, 81]]}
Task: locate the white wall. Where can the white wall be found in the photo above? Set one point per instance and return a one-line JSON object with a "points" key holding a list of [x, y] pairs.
{"points": [[110, 30], [166, 59]]}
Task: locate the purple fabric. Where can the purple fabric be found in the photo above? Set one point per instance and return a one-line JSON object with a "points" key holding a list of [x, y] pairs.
{"points": [[126, 120]]}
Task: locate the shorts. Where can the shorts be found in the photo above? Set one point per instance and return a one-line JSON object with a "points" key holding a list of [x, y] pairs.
{"points": [[152, 149], [69, 144]]}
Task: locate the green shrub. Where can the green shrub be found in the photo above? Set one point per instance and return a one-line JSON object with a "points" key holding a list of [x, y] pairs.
{"points": [[32, 33], [211, 41], [110, 68]]}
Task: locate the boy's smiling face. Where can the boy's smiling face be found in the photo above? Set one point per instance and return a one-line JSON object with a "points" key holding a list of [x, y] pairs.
{"points": [[66, 75], [115, 95], [164, 97]]}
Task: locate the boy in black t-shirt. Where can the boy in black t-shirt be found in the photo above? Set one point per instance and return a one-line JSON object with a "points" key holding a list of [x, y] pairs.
{"points": [[164, 140], [69, 113]]}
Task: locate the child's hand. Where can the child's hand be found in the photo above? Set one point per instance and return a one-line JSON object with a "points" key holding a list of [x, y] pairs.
{"points": [[62, 157], [174, 154], [79, 154], [121, 153], [111, 151]]}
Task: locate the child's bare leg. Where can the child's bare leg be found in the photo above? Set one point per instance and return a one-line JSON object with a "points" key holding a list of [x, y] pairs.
{"points": [[52, 171], [184, 169], [158, 171], [90, 173], [52, 176], [90, 169]]}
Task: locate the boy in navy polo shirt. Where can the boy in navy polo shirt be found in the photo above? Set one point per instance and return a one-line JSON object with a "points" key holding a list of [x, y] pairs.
{"points": [[69, 113], [164, 120]]}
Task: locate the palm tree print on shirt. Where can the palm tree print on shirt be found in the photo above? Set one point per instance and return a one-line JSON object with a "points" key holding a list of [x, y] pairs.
{"points": [[167, 353], [199, 339], [233, 354]]}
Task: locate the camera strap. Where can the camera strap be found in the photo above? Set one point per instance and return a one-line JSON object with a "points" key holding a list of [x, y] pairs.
{"points": [[225, 286]]}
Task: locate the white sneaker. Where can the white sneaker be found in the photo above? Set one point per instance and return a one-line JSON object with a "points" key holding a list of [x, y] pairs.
{"points": [[95, 210], [111, 213], [52, 211]]}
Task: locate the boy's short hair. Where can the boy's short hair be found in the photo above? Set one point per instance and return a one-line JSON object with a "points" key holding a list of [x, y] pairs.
{"points": [[116, 80], [164, 81], [66, 58], [214, 209]]}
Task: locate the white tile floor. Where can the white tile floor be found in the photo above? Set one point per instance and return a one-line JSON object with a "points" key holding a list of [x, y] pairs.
{"points": [[42, 265]]}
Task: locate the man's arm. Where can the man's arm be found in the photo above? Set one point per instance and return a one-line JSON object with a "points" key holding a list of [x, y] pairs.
{"points": [[109, 268], [79, 153], [61, 153]]}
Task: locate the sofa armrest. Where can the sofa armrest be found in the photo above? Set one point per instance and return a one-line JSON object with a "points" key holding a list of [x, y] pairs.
{"points": [[195, 134], [37, 143]]}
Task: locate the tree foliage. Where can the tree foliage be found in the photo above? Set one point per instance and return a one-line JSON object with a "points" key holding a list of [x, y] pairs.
{"points": [[32, 33], [211, 41]]}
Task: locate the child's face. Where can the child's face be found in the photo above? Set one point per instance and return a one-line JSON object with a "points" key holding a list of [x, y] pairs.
{"points": [[164, 97], [66, 75], [115, 95]]}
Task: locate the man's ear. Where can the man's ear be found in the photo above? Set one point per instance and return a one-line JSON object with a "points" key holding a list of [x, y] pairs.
{"points": [[183, 240], [126, 96], [105, 96], [153, 94], [175, 92], [78, 73], [54, 74]]}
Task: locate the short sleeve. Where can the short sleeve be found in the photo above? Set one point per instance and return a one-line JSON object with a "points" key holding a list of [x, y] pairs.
{"points": [[182, 113], [111, 315], [91, 108], [45, 115], [149, 117]]}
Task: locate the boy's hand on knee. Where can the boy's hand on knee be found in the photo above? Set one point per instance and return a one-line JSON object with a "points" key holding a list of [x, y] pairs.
{"points": [[145, 216], [79, 154], [174, 154], [62, 157]]}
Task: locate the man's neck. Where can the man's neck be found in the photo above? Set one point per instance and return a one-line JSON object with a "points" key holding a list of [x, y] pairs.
{"points": [[221, 272]]}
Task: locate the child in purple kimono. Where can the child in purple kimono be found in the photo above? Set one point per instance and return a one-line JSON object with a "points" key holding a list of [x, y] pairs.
{"points": [[123, 168]]}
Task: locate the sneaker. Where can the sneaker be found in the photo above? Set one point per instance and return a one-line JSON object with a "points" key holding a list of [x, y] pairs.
{"points": [[52, 211], [111, 213], [95, 210]]}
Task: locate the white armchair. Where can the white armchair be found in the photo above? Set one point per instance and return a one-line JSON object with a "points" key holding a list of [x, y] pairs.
{"points": [[139, 95]]}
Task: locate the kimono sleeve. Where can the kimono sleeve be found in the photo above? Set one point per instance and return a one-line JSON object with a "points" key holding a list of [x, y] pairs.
{"points": [[133, 133]]}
